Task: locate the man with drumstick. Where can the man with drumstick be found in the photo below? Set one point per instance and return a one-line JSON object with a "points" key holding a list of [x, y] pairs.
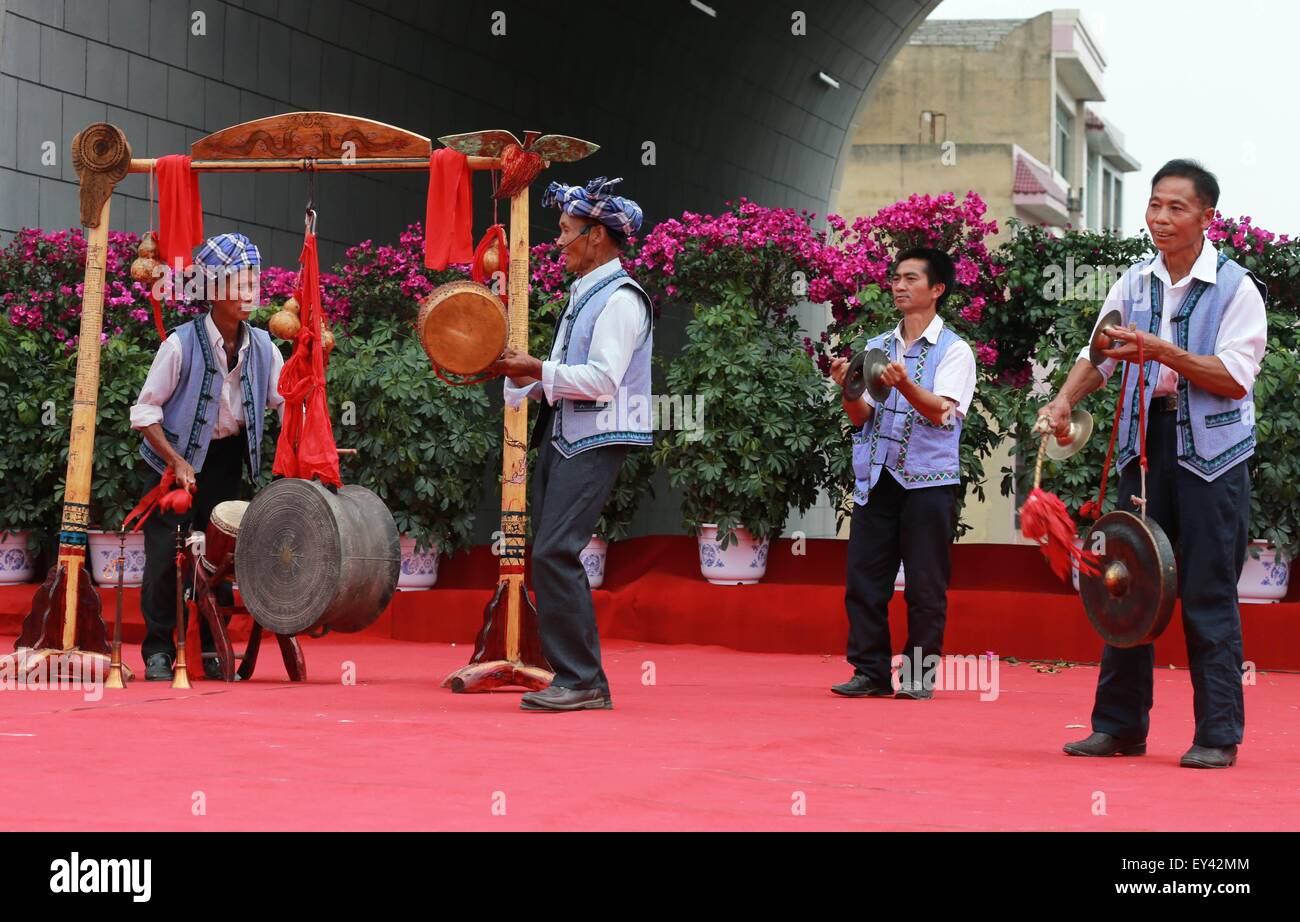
{"points": [[1202, 325], [599, 370], [907, 472], [201, 412]]}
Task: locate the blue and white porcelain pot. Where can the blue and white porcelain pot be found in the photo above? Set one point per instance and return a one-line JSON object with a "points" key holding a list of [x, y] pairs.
{"points": [[16, 564], [102, 558], [593, 560], [741, 563], [419, 569], [1263, 578]]}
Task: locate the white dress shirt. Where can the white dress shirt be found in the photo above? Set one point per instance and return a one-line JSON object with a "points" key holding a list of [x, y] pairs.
{"points": [[618, 330], [1243, 331], [954, 379], [165, 373]]}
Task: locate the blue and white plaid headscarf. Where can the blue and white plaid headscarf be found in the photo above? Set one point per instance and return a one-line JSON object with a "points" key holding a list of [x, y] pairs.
{"points": [[594, 201], [218, 261], [228, 253]]}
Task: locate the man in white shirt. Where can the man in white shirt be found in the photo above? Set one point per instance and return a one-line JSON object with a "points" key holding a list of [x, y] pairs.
{"points": [[907, 473], [597, 376], [201, 413], [1201, 320]]}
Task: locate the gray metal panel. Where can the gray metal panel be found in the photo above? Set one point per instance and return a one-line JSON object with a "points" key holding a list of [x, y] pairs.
{"points": [[106, 74], [87, 18], [21, 55], [63, 61]]}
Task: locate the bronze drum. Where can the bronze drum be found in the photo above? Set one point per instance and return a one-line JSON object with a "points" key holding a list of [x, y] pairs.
{"points": [[310, 559], [463, 327]]}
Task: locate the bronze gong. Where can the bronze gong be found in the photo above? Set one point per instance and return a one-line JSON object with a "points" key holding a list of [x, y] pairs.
{"points": [[1131, 599]]}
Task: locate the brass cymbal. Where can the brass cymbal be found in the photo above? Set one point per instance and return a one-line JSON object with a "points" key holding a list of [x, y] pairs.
{"points": [[864, 375], [1099, 342], [1081, 426]]}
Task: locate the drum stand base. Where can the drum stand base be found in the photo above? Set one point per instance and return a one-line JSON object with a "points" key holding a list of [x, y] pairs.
{"points": [[492, 666], [216, 615], [43, 629], [65, 665]]}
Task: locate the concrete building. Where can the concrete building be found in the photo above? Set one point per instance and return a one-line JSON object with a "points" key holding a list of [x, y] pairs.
{"points": [[1000, 106]]}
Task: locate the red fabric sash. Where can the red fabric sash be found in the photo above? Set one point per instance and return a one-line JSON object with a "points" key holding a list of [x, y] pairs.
{"points": [[449, 214], [306, 447], [180, 221]]}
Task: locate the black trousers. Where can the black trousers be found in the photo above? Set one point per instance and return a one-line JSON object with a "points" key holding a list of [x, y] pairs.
{"points": [[1207, 524], [568, 496], [221, 479], [916, 527]]}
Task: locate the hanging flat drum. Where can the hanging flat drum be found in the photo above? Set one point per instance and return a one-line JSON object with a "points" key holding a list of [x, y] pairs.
{"points": [[308, 558], [463, 327], [1131, 599]]}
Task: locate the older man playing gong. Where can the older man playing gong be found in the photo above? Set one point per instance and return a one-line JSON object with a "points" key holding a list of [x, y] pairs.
{"points": [[598, 370], [1200, 319]]}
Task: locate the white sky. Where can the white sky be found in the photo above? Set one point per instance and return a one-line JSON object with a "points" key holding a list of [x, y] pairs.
{"points": [[1192, 78]]}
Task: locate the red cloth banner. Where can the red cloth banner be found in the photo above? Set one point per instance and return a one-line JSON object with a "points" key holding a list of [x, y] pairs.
{"points": [[180, 221], [449, 214], [306, 448]]}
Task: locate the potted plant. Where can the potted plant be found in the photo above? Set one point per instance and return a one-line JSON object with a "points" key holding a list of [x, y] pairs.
{"points": [[630, 488], [421, 443], [27, 507], [1275, 466], [767, 417], [763, 446], [119, 476]]}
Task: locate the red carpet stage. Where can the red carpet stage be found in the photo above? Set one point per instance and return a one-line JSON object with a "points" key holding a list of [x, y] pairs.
{"points": [[723, 740], [1003, 598]]}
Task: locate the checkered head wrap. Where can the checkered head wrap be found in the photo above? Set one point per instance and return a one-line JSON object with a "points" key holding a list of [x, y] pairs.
{"points": [[596, 202], [228, 253]]}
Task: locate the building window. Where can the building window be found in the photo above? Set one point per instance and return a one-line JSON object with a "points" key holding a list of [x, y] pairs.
{"points": [[1117, 212], [1064, 127], [1107, 199]]}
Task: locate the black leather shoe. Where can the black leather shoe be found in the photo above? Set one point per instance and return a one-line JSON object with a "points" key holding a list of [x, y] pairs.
{"points": [[1103, 744], [917, 691], [861, 687], [556, 698], [211, 668], [158, 668], [1209, 757]]}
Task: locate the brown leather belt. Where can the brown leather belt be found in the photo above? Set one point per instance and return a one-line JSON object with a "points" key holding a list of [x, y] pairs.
{"points": [[1166, 403]]}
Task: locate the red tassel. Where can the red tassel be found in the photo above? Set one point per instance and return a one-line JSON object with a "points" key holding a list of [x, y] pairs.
{"points": [[164, 496], [1044, 519], [519, 167]]}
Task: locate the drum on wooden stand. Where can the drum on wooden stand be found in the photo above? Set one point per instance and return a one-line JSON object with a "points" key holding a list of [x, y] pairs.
{"points": [[310, 559], [222, 534], [464, 328]]}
